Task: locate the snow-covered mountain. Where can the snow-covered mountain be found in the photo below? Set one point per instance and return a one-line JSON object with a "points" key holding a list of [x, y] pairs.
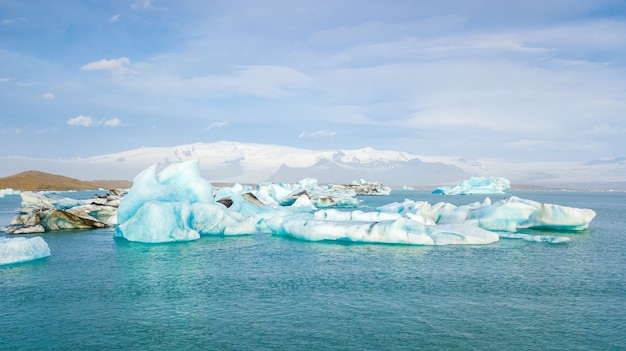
{"points": [[227, 161]]}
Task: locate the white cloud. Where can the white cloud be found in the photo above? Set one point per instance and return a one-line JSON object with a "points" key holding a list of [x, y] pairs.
{"points": [[81, 121], [47, 130], [146, 5], [142, 5], [11, 21], [48, 96], [271, 82], [115, 17], [545, 145], [216, 125], [117, 66], [605, 128], [317, 134], [88, 121], [113, 122], [4, 80]]}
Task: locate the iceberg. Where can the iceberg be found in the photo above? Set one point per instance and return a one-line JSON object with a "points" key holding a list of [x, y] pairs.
{"points": [[398, 231], [17, 250], [45, 212], [550, 239], [506, 215], [477, 185], [8, 191], [178, 205], [364, 187]]}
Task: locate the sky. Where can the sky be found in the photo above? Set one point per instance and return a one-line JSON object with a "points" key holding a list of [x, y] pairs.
{"points": [[521, 81]]}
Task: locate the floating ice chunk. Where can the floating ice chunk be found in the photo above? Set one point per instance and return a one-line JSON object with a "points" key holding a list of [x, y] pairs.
{"points": [[158, 222], [272, 193], [445, 213], [145, 188], [178, 205], [358, 215], [503, 215], [304, 203], [398, 231], [557, 217], [461, 234], [157, 207], [215, 219], [16, 250], [364, 187], [8, 191], [537, 238], [402, 207], [185, 180], [33, 200], [228, 192], [477, 185], [508, 214]]}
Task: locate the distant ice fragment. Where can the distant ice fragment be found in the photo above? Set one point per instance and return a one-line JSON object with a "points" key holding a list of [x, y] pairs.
{"points": [[551, 239], [364, 187], [477, 185], [8, 191], [20, 249]]}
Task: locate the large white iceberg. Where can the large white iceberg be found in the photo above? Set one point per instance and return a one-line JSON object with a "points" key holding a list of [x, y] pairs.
{"points": [[397, 231], [176, 204], [477, 185], [508, 214], [20, 249], [179, 205]]}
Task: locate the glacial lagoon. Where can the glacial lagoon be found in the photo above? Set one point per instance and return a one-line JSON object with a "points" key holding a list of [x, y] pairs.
{"points": [[268, 292]]}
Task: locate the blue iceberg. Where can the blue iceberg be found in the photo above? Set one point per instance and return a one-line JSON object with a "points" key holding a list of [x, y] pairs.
{"points": [[8, 191], [477, 185], [398, 231], [17, 250], [506, 215], [177, 204]]}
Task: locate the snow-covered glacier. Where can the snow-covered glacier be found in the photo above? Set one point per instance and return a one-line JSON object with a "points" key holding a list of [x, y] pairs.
{"points": [[177, 204], [20, 249], [477, 185]]}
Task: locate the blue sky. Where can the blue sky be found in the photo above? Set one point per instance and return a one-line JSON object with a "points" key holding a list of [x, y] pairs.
{"points": [[520, 81]]}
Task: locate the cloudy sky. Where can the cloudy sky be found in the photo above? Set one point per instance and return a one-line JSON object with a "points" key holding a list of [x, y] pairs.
{"points": [[518, 80]]}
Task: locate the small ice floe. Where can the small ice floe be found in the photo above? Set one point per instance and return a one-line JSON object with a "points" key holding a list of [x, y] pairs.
{"points": [[551, 239], [21, 249]]}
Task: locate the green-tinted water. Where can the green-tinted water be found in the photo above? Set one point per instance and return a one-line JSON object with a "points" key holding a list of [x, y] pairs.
{"points": [[265, 292]]}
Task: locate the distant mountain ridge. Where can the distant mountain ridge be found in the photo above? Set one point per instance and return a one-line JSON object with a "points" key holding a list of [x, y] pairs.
{"points": [[36, 181], [254, 163], [250, 163]]}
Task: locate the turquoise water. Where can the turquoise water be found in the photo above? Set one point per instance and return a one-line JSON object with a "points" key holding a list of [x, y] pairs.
{"points": [[262, 292]]}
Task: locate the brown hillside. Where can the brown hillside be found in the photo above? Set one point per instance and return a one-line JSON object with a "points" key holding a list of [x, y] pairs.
{"points": [[35, 180]]}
